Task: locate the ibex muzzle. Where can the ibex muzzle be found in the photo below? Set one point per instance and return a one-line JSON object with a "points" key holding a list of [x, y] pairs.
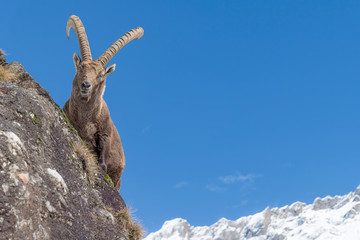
{"points": [[86, 108]]}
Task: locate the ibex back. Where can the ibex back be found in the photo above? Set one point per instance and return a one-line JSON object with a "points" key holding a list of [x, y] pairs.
{"points": [[86, 108]]}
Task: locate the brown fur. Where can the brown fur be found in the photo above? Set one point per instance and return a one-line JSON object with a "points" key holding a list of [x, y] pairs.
{"points": [[90, 116]]}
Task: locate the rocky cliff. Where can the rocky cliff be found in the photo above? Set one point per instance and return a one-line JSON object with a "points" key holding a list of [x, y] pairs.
{"points": [[46, 189]]}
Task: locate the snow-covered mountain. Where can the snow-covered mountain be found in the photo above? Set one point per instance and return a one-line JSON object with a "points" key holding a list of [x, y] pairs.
{"points": [[327, 218]]}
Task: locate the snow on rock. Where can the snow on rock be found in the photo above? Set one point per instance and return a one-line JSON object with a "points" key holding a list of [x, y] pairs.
{"points": [[329, 218]]}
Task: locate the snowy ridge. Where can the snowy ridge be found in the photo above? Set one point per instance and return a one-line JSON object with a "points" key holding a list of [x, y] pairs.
{"points": [[327, 218]]}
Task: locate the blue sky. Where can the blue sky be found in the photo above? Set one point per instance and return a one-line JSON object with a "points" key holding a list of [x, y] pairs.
{"points": [[223, 107]]}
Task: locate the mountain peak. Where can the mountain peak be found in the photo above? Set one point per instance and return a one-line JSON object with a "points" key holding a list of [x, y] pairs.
{"points": [[327, 218]]}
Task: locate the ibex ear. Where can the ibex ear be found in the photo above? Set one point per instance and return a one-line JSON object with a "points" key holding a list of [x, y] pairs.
{"points": [[77, 60], [110, 69]]}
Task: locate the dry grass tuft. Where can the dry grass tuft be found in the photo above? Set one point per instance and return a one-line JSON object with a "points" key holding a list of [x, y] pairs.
{"points": [[132, 228], [89, 158], [5, 73]]}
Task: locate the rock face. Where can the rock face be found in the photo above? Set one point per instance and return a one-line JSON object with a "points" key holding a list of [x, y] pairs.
{"points": [[327, 218], [44, 190]]}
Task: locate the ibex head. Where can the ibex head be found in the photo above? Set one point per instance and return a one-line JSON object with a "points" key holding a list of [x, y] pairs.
{"points": [[91, 74]]}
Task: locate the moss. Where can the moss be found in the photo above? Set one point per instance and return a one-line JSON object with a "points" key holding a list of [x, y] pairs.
{"points": [[11, 160], [38, 141], [73, 130], [66, 119], [98, 184], [34, 118], [108, 180]]}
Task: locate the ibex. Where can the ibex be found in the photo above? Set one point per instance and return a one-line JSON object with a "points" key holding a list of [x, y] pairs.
{"points": [[86, 108]]}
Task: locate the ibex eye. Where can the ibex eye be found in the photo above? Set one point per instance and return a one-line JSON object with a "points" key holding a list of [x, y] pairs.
{"points": [[101, 74]]}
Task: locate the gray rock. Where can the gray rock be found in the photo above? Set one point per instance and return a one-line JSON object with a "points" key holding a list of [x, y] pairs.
{"points": [[44, 190], [277, 237], [328, 203]]}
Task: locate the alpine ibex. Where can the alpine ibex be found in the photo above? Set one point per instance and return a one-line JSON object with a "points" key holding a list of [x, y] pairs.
{"points": [[86, 108]]}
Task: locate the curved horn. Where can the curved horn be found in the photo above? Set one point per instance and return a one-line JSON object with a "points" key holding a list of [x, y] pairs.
{"points": [[129, 36], [75, 23]]}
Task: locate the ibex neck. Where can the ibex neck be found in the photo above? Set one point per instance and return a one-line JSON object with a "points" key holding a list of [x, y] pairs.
{"points": [[86, 109]]}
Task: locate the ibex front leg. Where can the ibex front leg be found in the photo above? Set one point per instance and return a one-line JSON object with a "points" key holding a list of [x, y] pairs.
{"points": [[103, 151]]}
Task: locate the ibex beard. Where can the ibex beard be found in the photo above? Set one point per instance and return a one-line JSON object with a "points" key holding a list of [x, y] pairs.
{"points": [[86, 108]]}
